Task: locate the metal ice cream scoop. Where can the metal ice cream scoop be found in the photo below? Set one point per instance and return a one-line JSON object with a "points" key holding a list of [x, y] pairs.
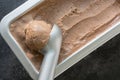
{"points": [[51, 54]]}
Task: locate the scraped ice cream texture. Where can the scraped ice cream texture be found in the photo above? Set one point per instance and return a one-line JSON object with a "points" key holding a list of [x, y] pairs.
{"points": [[80, 21]]}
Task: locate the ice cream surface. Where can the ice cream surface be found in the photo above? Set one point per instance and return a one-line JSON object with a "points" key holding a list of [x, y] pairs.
{"points": [[80, 21]]}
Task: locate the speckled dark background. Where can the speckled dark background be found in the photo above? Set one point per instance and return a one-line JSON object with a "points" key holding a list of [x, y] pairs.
{"points": [[102, 64]]}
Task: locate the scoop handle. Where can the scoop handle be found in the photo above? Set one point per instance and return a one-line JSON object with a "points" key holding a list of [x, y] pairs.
{"points": [[51, 54], [48, 66]]}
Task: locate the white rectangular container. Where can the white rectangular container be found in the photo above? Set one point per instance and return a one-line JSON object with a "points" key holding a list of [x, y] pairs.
{"points": [[71, 60]]}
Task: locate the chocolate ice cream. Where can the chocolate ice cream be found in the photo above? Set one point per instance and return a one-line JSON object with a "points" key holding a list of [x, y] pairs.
{"points": [[80, 21], [37, 34]]}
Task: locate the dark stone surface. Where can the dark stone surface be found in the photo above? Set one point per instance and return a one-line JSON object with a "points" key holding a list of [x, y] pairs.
{"points": [[102, 64]]}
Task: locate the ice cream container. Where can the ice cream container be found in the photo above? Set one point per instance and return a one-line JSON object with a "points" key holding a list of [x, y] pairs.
{"points": [[68, 62]]}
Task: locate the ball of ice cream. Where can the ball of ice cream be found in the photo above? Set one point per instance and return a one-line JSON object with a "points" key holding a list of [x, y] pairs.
{"points": [[37, 34]]}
